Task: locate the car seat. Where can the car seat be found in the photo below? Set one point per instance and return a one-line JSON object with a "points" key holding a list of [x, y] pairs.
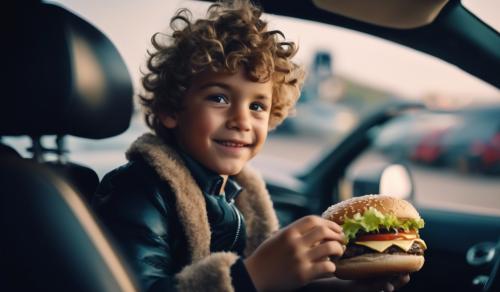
{"points": [[64, 78]]}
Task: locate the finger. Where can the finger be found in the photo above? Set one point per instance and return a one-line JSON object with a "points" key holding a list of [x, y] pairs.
{"points": [[325, 250], [400, 281], [307, 223], [333, 226], [320, 234]]}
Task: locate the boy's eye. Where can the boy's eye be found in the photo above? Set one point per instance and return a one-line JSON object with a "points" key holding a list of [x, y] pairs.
{"points": [[218, 98], [258, 107]]}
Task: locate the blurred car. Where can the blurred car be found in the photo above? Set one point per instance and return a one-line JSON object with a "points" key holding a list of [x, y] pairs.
{"points": [[463, 140], [471, 147], [398, 137], [481, 154], [430, 148], [415, 136], [461, 212], [484, 155]]}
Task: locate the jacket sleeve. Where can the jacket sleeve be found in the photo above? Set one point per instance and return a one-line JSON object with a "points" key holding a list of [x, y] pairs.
{"points": [[138, 225], [209, 274], [220, 271]]}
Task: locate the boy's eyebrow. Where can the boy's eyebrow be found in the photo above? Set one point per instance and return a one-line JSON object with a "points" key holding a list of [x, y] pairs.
{"points": [[227, 87], [214, 84], [263, 96]]}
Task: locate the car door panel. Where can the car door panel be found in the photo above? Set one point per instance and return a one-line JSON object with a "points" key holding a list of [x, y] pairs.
{"points": [[449, 235]]}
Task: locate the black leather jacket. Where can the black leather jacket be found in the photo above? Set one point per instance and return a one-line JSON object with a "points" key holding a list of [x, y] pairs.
{"points": [[139, 209]]}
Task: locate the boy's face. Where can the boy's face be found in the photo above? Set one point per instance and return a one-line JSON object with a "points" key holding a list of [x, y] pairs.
{"points": [[224, 121]]}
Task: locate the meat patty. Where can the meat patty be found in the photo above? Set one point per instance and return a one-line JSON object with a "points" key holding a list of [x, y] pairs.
{"points": [[356, 250]]}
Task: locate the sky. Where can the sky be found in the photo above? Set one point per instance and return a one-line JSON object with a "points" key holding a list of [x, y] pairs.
{"points": [[131, 23]]}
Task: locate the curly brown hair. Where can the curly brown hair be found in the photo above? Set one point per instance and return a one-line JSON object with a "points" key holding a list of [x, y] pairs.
{"points": [[232, 35]]}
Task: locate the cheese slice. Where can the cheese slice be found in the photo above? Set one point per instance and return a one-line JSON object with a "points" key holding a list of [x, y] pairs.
{"points": [[409, 236], [380, 246]]}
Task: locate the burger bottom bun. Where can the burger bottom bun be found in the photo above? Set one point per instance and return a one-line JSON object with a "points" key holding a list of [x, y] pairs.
{"points": [[378, 264]]}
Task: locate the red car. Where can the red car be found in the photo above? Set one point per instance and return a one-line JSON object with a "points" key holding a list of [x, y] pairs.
{"points": [[484, 156], [430, 148]]}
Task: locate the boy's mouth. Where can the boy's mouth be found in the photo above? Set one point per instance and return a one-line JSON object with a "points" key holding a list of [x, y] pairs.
{"points": [[232, 143]]}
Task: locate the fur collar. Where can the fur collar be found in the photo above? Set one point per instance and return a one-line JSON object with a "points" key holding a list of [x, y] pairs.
{"points": [[254, 201]]}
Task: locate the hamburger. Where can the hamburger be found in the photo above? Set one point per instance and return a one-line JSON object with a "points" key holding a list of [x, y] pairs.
{"points": [[382, 237]]}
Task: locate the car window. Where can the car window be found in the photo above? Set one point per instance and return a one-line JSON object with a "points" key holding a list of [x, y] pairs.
{"points": [[453, 156], [349, 75]]}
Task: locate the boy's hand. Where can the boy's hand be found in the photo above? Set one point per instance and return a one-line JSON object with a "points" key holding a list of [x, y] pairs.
{"points": [[296, 255], [387, 284]]}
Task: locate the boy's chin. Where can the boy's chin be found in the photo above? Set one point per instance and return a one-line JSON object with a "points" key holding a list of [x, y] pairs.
{"points": [[229, 170]]}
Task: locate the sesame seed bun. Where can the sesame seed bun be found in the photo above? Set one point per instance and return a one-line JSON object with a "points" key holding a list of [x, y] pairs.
{"points": [[385, 204]]}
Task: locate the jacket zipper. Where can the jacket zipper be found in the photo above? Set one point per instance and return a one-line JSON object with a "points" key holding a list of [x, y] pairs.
{"points": [[239, 225]]}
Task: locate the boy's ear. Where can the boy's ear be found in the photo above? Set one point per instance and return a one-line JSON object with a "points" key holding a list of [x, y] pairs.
{"points": [[169, 121]]}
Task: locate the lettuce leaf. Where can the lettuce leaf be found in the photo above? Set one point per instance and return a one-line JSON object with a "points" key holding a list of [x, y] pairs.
{"points": [[373, 220]]}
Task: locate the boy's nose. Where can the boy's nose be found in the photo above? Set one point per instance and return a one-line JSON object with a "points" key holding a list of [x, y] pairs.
{"points": [[239, 119]]}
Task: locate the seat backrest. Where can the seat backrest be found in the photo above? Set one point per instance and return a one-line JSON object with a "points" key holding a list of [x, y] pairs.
{"points": [[67, 78], [50, 239], [84, 179]]}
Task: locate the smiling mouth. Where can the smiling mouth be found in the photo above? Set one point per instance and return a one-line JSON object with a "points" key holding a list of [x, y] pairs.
{"points": [[235, 144]]}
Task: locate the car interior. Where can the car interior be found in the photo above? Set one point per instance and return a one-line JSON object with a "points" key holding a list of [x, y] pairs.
{"points": [[69, 80]]}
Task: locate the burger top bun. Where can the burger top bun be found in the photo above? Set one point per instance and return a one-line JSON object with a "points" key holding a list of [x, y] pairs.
{"points": [[385, 204]]}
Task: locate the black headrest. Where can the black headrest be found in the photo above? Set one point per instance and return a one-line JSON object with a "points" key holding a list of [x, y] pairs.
{"points": [[64, 77]]}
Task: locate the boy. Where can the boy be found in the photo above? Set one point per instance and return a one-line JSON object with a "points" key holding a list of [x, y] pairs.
{"points": [[186, 211]]}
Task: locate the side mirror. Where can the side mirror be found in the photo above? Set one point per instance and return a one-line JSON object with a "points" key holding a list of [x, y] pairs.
{"points": [[396, 181], [388, 179]]}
